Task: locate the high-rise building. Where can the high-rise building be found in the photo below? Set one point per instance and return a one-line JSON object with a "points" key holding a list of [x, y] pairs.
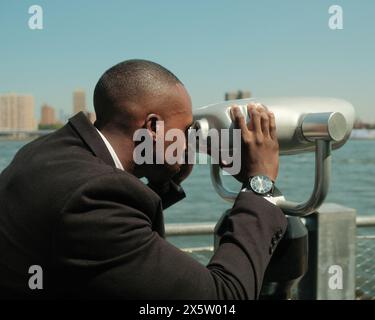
{"points": [[17, 112], [48, 115], [26, 118], [79, 101], [8, 111], [237, 95]]}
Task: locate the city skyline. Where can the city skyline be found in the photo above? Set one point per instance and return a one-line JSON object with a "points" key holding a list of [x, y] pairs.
{"points": [[239, 94], [17, 112], [49, 112], [273, 48]]}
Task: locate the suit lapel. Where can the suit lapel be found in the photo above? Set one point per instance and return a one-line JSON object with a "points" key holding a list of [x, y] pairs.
{"points": [[91, 137]]}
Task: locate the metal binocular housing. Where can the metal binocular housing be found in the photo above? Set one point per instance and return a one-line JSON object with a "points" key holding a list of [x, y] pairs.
{"points": [[304, 124]]}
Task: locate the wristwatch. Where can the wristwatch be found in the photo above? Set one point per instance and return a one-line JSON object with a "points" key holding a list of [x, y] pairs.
{"points": [[261, 185]]}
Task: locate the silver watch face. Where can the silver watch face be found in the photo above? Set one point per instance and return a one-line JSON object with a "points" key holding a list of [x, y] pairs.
{"points": [[261, 184]]}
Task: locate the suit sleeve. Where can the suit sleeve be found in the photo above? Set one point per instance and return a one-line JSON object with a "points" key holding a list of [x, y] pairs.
{"points": [[106, 246]]}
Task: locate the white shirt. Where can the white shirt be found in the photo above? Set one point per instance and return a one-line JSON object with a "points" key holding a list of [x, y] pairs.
{"points": [[114, 156]]}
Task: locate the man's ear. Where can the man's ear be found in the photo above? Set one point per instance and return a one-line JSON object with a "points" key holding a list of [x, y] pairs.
{"points": [[151, 122]]}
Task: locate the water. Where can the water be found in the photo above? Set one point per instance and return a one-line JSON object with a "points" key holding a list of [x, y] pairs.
{"points": [[352, 184]]}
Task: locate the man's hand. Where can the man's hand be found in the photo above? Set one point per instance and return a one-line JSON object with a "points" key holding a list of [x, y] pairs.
{"points": [[260, 148], [185, 171], [170, 190], [163, 183]]}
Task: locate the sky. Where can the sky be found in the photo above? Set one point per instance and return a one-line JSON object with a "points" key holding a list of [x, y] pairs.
{"points": [[272, 48]]}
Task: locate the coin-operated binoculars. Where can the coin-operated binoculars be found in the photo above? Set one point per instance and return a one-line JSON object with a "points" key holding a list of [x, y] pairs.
{"points": [[304, 124]]}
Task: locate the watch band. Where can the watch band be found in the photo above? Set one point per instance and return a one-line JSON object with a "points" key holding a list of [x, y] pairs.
{"points": [[277, 195], [248, 186]]}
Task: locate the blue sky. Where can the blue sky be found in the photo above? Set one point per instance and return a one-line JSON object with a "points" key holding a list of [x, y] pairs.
{"points": [[273, 48]]}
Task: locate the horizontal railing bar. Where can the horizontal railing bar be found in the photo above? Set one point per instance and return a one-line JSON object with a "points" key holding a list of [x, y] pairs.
{"points": [[198, 249], [366, 237], [189, 229], [207, 228], [366, 221]]}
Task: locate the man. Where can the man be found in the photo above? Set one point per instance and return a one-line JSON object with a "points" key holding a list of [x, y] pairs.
{"points": [[72, 203]]}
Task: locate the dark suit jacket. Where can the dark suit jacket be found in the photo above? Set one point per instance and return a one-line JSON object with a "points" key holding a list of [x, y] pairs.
{"points": [[97, 231]]}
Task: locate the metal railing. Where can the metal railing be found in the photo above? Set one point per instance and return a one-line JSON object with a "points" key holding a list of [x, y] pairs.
{"points": [[364, 281], [365, 265], [189, 229], [207, 228], [365, 221]]}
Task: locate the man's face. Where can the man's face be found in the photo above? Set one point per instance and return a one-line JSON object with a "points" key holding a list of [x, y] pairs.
{"points": [[178, 118], [168, 119]]}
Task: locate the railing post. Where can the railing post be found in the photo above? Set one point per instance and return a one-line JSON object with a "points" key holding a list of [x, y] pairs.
{"points": [[332, 243]]}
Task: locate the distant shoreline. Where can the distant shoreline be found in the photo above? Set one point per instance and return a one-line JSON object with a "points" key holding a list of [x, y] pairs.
{"points": [[17, 139], [357, 134], [363, 134]]}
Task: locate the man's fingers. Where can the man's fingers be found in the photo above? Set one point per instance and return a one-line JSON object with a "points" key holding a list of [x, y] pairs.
{"points": [[250, 108], [265, 123], [256, 119], [262, 121], [238, 118], [273, 133]]}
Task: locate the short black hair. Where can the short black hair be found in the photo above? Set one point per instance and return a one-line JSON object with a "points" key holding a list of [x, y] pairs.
{"points": [[129, 81]]}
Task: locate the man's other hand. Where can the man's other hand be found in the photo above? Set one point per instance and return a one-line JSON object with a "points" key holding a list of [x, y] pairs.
{"points": [[260, 147]]}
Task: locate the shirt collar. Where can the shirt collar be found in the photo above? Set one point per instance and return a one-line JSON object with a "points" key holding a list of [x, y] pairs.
{"points": [[115, 158]]}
